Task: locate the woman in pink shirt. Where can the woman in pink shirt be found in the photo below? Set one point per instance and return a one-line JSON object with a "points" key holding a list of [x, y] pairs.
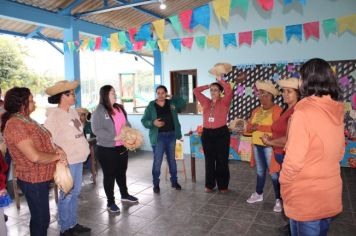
{"points": [[216, 136]]}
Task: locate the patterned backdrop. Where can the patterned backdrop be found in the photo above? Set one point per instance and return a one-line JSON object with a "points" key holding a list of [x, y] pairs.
{"points": [[243, 102]]}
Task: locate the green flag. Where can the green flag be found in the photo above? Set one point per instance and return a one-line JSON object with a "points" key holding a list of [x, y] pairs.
{"points": [[200, 41], [122, 38], [243, 4], [151, 44], [176, 24], [329, 26], [260, 34]]}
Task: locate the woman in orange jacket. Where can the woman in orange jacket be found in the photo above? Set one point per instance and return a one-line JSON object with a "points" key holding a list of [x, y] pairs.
{"points": [[311, 184]]}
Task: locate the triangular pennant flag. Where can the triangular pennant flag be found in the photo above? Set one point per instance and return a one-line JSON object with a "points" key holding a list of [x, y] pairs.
{"points": [[347, 23], [260, 34], [276, 34], [294, 30], [311, 29], [222, 9], [200, 41], [129, 46], [229, 39], [163, 45], [91, 44], [176, 24], [97, 43], [132, 33], [84, 44], [245, 37], [177, 44], [329, 26], [104, 43], [137, 45], [144, 33], [187, 42], [266, 5], [123, 37], [213, 41], [151, 44], [201, 16], [243, 4], [185, 18], [159, 25], [114, 42]]}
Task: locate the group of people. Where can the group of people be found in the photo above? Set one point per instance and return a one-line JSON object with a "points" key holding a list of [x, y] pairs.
{"points": [[300, 145]]}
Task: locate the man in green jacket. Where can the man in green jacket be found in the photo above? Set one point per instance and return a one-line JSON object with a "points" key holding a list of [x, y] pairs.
{"points": [[161, 119]]}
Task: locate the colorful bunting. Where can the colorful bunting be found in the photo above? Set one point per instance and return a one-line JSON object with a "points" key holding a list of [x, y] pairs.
{"points": [[84, 44], [260, 34], [185, 18], [329, 26], [201, 16], [144, 33], [129, 46], [187, 42], [266, 5], [105, 43], [151, 44], [347, 23], [213, 41], [243, 4], [200, 41], [137, 45], [245, 37], [286, 2], [132, 33], [294, 30], [159, 25], [230, 39], [276, 34], [176, 24], [222, 9], [97, 43], [311, 29], [114, 42], [177, 44], [91, 44], [163, 45], [123, 37]]}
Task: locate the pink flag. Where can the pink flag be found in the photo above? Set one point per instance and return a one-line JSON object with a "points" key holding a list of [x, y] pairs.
{"points": [[97, 43], [245, 37], [311, 29], [137, 45], [187, 42], [267, 5], [132, 33], [185, 18]]}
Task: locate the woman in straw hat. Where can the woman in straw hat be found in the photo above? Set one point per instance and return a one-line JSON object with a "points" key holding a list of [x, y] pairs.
{"points": [[216, 136], [107, 122], [67, 132], [260, 124], [34, 155]]}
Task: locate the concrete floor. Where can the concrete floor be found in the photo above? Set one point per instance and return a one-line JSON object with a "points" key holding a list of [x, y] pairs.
{"points": [[186, 212]]}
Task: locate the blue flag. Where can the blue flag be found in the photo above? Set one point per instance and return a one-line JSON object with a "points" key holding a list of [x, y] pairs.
{"points": [[104, 43], [230, 39], [294, 30], [177, 44], [201, 16], [144, 34]]}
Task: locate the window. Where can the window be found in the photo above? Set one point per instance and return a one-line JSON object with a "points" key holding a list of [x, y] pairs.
{"points": [[182, 84]]}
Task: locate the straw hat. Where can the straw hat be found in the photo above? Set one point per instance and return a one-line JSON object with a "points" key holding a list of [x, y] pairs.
{"points": [[267, 86], [63, 178], [81, 110], [62, 86], [220, 69], [289, 83], [132, 138]]}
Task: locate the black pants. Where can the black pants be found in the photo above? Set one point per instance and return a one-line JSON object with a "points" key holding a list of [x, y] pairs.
{"points": [[113, 161], [216, 145]]}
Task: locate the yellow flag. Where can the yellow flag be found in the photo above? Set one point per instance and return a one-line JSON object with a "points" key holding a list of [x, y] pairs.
{"points": [[276, 34], [158, 25], [163, 45], [347, 23], [84, 44], [213, 41], [114, 42], [222, 9]]}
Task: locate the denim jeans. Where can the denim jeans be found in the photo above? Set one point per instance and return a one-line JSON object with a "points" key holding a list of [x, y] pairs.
{"points": [[310, 228], [37, 199], [68, 203], [263, 156], [279, 158], [166, 143]]}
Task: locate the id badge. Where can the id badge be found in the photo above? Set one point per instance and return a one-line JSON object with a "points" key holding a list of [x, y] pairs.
{"points": [[211, 119]]}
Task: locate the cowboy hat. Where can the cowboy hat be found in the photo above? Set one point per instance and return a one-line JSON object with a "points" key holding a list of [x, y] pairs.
{"points": [[62, 86], [267, 86], [220, 69], [289, 83], [132, 138], [63, 178]]}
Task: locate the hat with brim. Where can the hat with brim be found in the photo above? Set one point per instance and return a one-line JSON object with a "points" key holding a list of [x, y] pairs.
{"points": [[220, 69], [289, 83], [82, 110], [61, 86], [267, 86]]}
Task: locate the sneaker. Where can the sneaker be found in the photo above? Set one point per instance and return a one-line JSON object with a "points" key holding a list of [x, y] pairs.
{"points": [[278, 206], [68, 232], [177, 186], [129, 198], [156, 189], [255, 197], [80, 229], [113, 208]]}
